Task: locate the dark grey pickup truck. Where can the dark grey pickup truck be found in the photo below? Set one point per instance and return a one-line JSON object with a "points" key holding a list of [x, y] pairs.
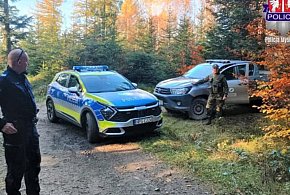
{"points": [[179, 94]]}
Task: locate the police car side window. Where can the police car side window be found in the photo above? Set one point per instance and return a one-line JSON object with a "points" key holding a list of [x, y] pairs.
{"points": [[73, 82], [229, 73], [62, 79]]}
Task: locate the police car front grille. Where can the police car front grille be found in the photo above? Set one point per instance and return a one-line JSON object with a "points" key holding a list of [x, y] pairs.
{"points": [[161, 90], [140, 128], [123, 116]]}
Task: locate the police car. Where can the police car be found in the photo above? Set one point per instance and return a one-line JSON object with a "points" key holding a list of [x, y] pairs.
{"points": [[102, 102]]}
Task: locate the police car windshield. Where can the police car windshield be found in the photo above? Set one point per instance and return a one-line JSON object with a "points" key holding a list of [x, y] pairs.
{"points": [[106, 83], [199, 71]]}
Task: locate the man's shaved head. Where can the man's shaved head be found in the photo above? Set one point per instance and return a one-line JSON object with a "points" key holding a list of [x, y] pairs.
{"points": [[13, 57], [18, 60]]}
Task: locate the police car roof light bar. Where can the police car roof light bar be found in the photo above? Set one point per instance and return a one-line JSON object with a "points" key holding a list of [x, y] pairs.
{"points": [[91, 68]]}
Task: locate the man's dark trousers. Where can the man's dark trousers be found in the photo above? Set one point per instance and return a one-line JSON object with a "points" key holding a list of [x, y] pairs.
{"points": [[23, 158]]}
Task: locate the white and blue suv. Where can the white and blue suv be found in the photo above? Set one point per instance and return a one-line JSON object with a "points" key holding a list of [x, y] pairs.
{"points": [[101, 101]]}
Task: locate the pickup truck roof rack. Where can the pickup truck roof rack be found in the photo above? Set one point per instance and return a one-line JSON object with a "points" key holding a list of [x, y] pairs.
{"points": [[218, 61]]}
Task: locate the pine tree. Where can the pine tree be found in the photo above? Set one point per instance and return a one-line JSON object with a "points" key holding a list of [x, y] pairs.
{"points": [[7, 34], [184, 42], [166, 51], [229, 39], [169, 32], [11, 27], [127, 22], [96, 18], [206, 19], [147, 35], [95, 31], [48, 31]]}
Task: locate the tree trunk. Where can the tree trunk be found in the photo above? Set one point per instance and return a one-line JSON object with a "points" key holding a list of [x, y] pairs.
{"points": [[7, 27]]}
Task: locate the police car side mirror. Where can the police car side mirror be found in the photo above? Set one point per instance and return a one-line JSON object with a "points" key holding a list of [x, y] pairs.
{"points": [[135, 85], [73, 90]]}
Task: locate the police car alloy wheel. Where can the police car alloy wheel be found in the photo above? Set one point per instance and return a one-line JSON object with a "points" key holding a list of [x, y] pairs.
{"points": [[51, 112], [92, 128]]}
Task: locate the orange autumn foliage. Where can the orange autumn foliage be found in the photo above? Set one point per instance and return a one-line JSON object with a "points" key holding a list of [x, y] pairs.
{"points": [[127, 20], [196, 59], [276, 92]]}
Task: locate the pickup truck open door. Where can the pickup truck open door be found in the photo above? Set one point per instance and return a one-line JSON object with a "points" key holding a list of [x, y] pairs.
{"points": [[237, 79]]}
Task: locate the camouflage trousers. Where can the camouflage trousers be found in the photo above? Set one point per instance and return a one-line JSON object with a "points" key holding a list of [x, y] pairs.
{"points": [[215, 101]]}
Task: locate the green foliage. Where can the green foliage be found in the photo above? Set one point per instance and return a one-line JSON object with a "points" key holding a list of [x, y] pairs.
{"points": [[44, 44], [100, 52], [230, 38], [146, 87], [12, 28], [277, 167], [184, 42], [93, 38], [40, 82], [147, 35], [141, 67], [96, 19]]}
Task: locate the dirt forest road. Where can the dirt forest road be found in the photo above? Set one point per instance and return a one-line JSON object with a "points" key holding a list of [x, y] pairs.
{"points": [[72, 166]]}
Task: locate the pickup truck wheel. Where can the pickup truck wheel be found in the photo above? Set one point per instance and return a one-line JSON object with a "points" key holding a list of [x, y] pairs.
{"points": [[50, 111], [92, 129], [198, 109]]}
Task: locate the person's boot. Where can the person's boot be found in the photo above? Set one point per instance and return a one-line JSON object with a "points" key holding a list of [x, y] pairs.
{"points": [[209, 117], [208, 121], [219, 115]]}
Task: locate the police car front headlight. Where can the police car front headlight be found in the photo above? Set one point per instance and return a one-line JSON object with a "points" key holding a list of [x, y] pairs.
{"points": [[180, 91], [108, 113]]}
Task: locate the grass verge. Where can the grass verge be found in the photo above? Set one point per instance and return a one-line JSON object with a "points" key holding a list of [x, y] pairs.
{"points": [[232, 154], [39, 84]]}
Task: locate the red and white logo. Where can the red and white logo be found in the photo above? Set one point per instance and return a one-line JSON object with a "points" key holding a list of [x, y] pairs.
{"points": [[287, 5], [279, 6], [275, 5]]}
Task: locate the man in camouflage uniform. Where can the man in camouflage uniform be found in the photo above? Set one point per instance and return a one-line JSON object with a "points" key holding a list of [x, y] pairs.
{"points": [[218, 91]]}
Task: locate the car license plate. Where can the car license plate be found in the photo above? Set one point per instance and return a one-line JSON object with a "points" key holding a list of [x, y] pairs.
{"points": [[143, 120]]}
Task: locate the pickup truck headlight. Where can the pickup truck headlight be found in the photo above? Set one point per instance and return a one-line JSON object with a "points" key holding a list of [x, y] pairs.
{"points": [[108, 112], [180, 91]]}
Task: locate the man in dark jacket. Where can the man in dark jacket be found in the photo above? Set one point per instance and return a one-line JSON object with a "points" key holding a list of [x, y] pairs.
{"points": [[21, 139], [218, 92]]}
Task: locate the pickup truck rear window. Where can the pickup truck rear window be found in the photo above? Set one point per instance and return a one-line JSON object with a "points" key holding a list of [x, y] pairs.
{"points": [[251, 69]]}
